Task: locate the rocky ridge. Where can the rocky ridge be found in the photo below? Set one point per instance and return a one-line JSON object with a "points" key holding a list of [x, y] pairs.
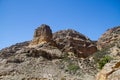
{"points": [[64, 55], [73, 41], [65, 40], [110, 38], [49, 57], [110, 42]]}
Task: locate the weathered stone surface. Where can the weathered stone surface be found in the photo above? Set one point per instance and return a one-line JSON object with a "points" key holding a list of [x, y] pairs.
{"points": [[109, 37], [52, 53], [66, 40], [33, 78], [73, 41], [17, 48], [111, 71], [115, 51], [42, 34]]}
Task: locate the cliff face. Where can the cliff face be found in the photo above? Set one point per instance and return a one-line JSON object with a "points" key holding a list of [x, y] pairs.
{"points": [[75, 42], [65, 40]]}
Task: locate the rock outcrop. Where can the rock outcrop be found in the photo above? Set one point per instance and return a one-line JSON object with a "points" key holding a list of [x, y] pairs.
{"points": [[110, 44], [109, 37], [73, 41], [65, 40], [46, 57], [42, 34], [12, 50], [48, 53], [111, 71]]}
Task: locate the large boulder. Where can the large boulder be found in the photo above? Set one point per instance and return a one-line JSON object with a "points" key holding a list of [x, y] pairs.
{"points": [[111, 71], [42, 34], [73, 41]]}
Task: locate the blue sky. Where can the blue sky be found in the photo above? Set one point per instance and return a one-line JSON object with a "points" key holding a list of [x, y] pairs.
{"points": [[19, 18]]}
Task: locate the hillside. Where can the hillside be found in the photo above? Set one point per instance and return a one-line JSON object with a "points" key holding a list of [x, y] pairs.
{"points": [[109, 45], [63, 55]]}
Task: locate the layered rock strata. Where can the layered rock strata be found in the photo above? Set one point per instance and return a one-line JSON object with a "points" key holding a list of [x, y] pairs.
{"points": [[73, 41]]}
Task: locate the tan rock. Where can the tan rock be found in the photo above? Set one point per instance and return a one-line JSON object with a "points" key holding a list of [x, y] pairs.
{"points": [[42, 34], [111, 71], [115, 52], [75, 42], [32, 78], [65, 40], [109, 38]]}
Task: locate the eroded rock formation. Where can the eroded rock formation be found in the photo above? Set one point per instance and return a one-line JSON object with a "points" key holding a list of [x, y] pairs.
{"points": [[44, 58], [65, 40], [73, 41], [42, 34]]}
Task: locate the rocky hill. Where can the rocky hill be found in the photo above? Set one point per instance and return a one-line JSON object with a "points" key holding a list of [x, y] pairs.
{"points": [[73, 41], [110, 38], [63, 55], [109, 45]]}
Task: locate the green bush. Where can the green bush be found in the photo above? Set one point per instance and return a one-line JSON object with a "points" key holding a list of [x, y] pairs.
{"points": [[104, 51], [73, 67], [65, 57], [103, 61], [100, 54], [63, 78]]}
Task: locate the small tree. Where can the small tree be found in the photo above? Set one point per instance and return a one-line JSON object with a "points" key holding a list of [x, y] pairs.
{"points": [[103, 61]]}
